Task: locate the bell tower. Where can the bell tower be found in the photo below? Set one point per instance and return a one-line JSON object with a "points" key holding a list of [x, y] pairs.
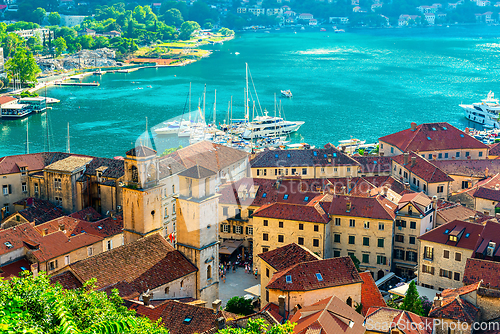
{"points": [[141, 194], [197, 228]]}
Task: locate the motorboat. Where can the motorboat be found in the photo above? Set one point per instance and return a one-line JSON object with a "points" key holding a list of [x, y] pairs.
{"points": [[485, 112], [268, 126], [287, 93], [173, 127]]}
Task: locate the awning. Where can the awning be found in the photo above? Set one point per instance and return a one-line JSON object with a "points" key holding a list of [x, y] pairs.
{"points": [[254, 290], [406, 265], [401, 291], [228, 247]]}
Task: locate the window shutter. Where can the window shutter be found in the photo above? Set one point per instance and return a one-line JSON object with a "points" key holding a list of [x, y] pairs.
{"points": [[441, 272], [221, 227], [234, 229], [423, 268], [246, 230], [56, 264], [432, 270], [10, 189]]}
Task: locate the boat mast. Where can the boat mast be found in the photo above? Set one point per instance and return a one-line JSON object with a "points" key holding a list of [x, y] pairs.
{"points": [[68, 145], [215, 106], [247, 111], [147, 134], [27, 137]]}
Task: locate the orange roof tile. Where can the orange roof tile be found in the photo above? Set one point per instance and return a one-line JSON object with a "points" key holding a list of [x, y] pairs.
{"points": [[370, 294]]}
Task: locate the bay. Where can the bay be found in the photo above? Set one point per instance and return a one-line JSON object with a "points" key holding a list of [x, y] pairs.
{"points": [[363, 83]]}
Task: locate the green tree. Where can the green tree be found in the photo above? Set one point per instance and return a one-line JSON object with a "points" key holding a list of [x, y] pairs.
{"points": [[54, 18], [173, 17], [101, 42], [39, 15], [355, 260], [239, 305], [22, 66], [32, 305], [411, 301], [86, 41], [258, 326], [187, 28], [60, 45]]}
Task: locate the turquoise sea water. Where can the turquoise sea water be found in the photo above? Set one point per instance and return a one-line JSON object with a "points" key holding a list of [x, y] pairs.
{"points": [[363, 83]]}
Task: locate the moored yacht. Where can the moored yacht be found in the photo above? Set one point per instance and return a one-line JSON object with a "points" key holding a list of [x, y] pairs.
{"points": [[485, 112], [267, 126]]}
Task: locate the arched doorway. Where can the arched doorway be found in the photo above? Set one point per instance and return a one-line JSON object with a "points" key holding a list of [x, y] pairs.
{"points": [[380, 274]]}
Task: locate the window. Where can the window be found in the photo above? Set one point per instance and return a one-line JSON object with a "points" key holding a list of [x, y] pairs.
{"points": [[440, 189], [315, 242], [36, 188], [322, 170], [267, 272], [401, 223], [209, 272], [238, 229], [57, 183], [352, 223], [337, 221], [456, 276], [424, 187], [445, 273], [411, 256], [288, 278], [58, 200], [90, 251], [226, 228], [5, 189], [304, 171], [24, 187], [440, 155], [167, 290], [381, 259], [428, 253], [412, 240], [446, 254], [225, 210], [301, 226], [348, 169], [173, 189], [400, 238], [249, 230], [465, 184], [480, 154], [281, 238], [352, 239], [381, 226], [367, 225], [319, 277], [392, 149], [264, 195], [52, 265], [66, 260], [336, 238], [280, 224], [413, 225], [430, 156], [466, 154], [165, 213], [427, 269], [458, 155], [250, 213], [265, 237], [173, 209], [336, 253], [316, 228], [366, 241], [380, 243], [458, 256], [300, 241], [109, 245], [265, 249], [294, 171], [446, 155], [285, 196], [399, 254], [365, 258]]}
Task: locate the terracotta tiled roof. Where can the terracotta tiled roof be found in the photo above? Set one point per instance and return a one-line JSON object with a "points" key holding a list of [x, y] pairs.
{"points": [[69, 164], [374, 207], [423, 168], [209, 155], [300, 158], [487, 271], [490, 235], [476, 168], [330, 316], [67, 280], [457, 309], [455, 211], [136, 267], [448, 295], [296, 212], [39, 211], [383, 319], [197, 172], [179, 318], [141, 151], [334, 272], [14, 238], [487, 193], [375, 165], [370, 294], [273, 310], [14, 269], [432, 137], [495, 149], [57, 244], [89, 212], [6, 99], [287, 256], [468, 234], [113, 168], [33, 162], [103, 228]]}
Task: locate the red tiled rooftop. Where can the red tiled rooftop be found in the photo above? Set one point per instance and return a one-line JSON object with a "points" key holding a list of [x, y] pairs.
{"points": [[14, 269], [469, 234], [334, 272], [373, 207], [487, 271], [422, 168], [305, 213], [287, 256], [432, 137], [370, 294], [487, 193], [386, 318], [456, 309]]}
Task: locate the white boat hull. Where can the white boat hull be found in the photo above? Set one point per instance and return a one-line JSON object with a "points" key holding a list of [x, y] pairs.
{"points": [[278, 131], [480, 117]]}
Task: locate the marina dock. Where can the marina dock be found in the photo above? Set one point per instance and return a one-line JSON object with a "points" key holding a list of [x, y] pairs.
{"points": [[76, 83]]}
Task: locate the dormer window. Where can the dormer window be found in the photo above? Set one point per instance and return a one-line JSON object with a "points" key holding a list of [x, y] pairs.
{"points": [[288, 278], [23, 170], [285, 196], [453, 238], [319, 277]]}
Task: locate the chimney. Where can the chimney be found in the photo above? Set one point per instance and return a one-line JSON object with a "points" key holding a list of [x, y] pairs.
{"points": [[381, 154], [413, 126], [348, 206], [24, 204], [413, 161], [88, 216], [281, 304], [434, 202], [45, 231], [497, 186], [472, 219], [220, 323], [467, 130], [61, 227], [216, 305], [384, 190], [146, 298], [34, 269], [486, 172], [437, 300]]}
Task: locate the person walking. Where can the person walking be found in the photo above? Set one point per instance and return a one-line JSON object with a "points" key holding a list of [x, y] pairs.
{"points": [[255, 273]]}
